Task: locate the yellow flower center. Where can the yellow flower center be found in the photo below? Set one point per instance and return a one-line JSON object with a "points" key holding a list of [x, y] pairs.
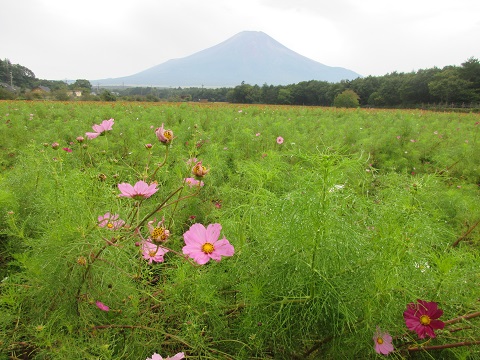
{"points": [[158, 234], [207, 248], [425, 320], [110, 225], [168, 134], [379, 340], [152, 253]]}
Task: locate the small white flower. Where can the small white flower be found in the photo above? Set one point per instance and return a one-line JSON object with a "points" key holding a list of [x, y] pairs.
{"points": [[422, 266], [336, 187]]}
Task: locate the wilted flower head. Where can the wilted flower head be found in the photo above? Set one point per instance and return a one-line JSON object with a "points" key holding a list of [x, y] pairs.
{"points": [[279, 140], [164, 136], [55, 145], [422, 316], [102, 306], [148, 146], [383, 342], [193, 182], [158, 233], [80, 139], [202, 244], [106, 125], [152, 252], [199, 170], [141, 190], [178, 356], [110, 221]]}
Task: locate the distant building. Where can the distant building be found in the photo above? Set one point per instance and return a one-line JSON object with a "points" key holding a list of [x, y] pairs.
{"points": [[8, 87], [75, 93], [41, 89]]}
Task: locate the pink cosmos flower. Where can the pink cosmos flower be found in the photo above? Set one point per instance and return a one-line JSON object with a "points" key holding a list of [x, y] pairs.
{"points": [[383, 342], [102, 306], [202, 244], [67, 149], [257, 134], [152, 252], [193, 182], [178, 356], [422, 318], [106, 125], [158, 233], [141, 190], [110, 221], [279, 140], [164, 136]]}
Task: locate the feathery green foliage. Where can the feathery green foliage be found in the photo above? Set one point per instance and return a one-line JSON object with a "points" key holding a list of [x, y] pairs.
{"points": [[354, 215]]}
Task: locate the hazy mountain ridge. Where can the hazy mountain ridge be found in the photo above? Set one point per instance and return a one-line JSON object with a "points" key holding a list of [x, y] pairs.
{"points": [[249, 56]]}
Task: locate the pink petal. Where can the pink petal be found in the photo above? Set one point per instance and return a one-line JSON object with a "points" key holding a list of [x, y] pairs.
{"points": [[178, 356], [126, 190], [223, 248], [102, 306], [97, 128], [196, 235], [107, 124], [213, 232], [91, 135]]}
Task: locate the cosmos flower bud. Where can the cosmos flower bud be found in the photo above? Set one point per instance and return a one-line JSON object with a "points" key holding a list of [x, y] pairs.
{"points": [[199, 170]]}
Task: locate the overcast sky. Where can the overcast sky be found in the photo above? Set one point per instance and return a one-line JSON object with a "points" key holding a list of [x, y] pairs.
{"points": [[94, 39]]}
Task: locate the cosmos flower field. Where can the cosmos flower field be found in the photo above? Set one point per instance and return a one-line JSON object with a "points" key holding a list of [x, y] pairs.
{"points": [[227, 231]]}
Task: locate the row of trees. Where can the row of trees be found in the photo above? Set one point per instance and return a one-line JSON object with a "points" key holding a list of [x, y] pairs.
{"points": [[457, 86]]}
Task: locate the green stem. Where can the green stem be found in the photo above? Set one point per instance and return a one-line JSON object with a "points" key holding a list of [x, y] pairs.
{"points": [[161, 164]]}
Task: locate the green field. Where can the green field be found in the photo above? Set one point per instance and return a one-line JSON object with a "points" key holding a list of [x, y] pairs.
{"points": [[337, 226]]}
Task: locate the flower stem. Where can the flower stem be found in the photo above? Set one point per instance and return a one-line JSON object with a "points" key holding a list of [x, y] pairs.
{"points": [[161, 164], [445, 346], [464, 317]]}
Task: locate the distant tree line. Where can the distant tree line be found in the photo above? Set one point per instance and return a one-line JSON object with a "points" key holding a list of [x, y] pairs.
{"points": [[452, 86]]}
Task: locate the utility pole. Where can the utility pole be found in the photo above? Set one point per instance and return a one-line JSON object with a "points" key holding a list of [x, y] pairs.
{"points": [[11, 78]]}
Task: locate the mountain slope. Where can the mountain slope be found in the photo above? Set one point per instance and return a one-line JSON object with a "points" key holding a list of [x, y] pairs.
{"points": [[249, 56]]}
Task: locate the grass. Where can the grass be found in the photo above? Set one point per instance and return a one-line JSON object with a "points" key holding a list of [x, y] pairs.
{"points": [[356, 214]]}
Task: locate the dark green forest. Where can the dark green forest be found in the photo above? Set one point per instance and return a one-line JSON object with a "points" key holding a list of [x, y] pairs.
{"points": [[451, 87]]}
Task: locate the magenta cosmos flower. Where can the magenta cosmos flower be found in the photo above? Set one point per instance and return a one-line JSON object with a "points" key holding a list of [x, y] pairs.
{"points": [[422, 316], [164, 136], [141, 190], [102, 306], [110, 221], [383, 342], [202, 244], [178, 356], [279, 140], [106, 125], [152, 252]]}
